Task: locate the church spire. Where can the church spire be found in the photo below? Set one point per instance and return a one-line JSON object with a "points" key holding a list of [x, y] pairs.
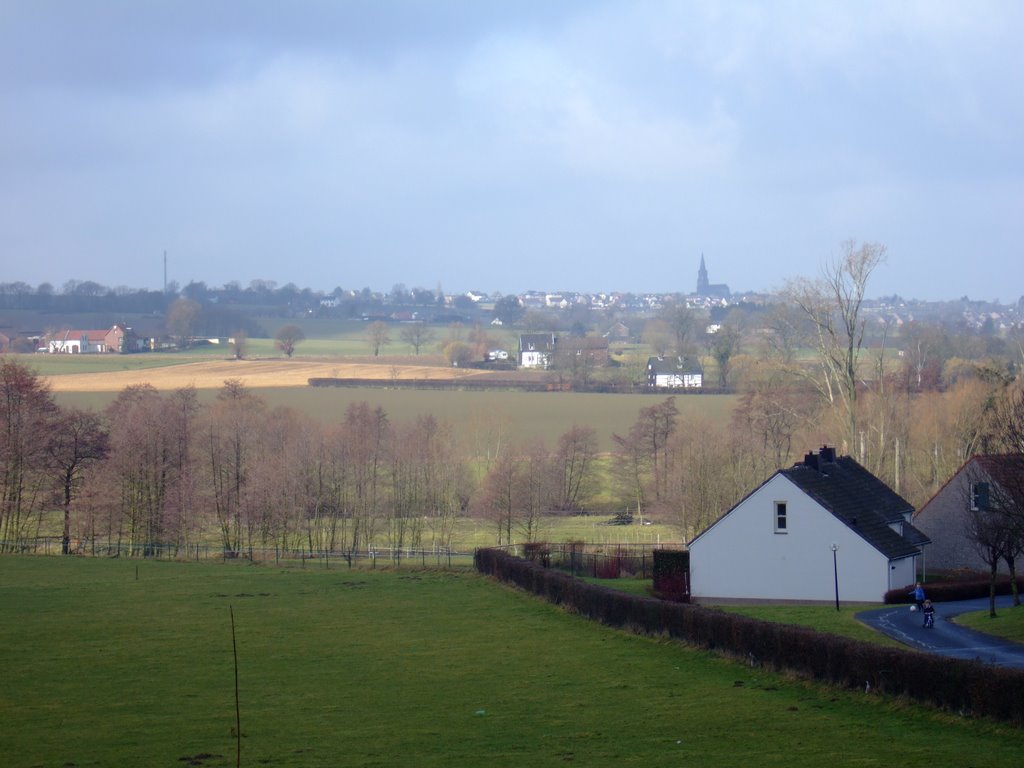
{"points": [[702, 278]]}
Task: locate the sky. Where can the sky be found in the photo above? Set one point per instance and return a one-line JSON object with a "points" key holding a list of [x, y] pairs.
{"points": [[596, 145]]}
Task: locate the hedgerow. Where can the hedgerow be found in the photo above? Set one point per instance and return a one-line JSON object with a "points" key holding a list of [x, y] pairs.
{"points": [[966, 687]]}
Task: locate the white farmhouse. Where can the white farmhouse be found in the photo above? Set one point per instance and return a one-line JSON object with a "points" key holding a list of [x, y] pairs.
{"points": [[674, 373], [824, 526], [536, 349]]}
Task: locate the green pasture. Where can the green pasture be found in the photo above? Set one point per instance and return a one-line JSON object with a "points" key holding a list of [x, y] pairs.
{"points": [[115, 662], [472, 533], [1008, 622], [481, 417], [818, 617]]}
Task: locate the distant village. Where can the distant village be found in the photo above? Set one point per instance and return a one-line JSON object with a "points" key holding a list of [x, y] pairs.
{"points": [[44, 319]]}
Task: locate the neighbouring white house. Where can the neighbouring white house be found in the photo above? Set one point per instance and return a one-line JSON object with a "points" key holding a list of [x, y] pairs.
{"points": [[981, 486], [536, 350], [117, 339], [674, 373], [822, 523]]}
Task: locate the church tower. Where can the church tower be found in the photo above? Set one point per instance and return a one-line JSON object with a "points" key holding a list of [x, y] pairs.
{"points": [[702, 278]]}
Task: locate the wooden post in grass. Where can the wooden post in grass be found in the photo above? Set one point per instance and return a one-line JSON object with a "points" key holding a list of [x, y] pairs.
{"points": [[238, 715]]}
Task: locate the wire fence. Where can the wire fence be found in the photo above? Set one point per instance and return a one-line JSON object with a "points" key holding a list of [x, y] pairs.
{"points": [[371, 557]]}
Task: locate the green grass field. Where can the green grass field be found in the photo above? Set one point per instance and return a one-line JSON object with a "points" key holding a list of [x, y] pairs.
{"points": [[479, 416], [130, 663], [1008, 623]]}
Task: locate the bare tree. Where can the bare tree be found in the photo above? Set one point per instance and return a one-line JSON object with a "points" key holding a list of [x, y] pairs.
{"points": [[182, 318], [990, 527], [725, 342], [659, 336], [231, 439], [642, 458], [80, 439], [683, 322], [576, 464], [288, 337], [27, 415], [239, 344], [378, 334], [417, 335], [833, 305]]}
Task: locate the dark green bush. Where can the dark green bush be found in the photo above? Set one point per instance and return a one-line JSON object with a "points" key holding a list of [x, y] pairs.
{"points": [[960, 686]]}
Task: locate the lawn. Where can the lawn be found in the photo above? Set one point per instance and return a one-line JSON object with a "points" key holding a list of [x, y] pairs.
{"points": [[1008, 623], [130, 663]]}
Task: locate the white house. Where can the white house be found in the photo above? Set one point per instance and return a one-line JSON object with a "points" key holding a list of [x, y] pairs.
{"points": [[536, 349], [674, 373], [823, 521]]}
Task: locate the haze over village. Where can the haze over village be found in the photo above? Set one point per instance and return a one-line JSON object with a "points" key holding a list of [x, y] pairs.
{"points": [[338, 337]]}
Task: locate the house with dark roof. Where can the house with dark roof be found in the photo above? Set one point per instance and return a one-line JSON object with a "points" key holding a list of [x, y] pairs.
{"points": [[983, 485], [821, 528], [536, 350], [674, 373]]}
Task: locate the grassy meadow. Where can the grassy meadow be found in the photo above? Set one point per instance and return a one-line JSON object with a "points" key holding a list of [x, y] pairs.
{"points": [[116, 662], [1008, 622], [479, 416]]}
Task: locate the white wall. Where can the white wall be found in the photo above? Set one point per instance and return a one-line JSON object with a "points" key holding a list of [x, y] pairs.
{"points": [[741, 556]]}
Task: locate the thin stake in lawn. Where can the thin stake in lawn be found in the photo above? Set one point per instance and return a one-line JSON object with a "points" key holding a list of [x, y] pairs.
{"points": [[238, 715]]}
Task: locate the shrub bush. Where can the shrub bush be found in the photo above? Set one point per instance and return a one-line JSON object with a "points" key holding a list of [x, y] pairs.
{"points": [[961, 686], [948, 591]]}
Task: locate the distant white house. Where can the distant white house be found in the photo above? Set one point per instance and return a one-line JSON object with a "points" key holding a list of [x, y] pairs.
{"points": [[117, 339], [822, 522], [674, 373], [536, 349]]}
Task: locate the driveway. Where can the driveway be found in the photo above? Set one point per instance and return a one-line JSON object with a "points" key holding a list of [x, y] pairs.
{"points": [[947, 638]]}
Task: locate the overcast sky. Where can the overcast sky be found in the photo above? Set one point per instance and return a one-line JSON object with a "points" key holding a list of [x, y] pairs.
{"points": [[594, 145]]}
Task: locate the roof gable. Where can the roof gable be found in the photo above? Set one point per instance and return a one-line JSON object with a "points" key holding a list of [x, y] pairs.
{"points": [[859, 500]]}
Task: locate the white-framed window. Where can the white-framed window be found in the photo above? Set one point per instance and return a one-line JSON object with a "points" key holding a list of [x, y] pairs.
{"points": [[781, 520]]}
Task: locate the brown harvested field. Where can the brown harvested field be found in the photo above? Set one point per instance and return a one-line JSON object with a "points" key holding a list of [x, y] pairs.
{"points": [[253, 373]]}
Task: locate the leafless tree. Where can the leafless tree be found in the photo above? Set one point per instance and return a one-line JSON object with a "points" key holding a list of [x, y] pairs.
{"points": [[417, 335], [79, 439], [725, 342], [182, 318], [379, 335], [658, 335], [239, 344], [288, 337], [642, 457], [231, 439], [576, 463], [683, 322], [27, 425], [990, 526], [833, 305]]}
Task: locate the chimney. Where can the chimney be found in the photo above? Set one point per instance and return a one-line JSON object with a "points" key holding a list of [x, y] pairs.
{"points": [[811, 460], [827, 455]]}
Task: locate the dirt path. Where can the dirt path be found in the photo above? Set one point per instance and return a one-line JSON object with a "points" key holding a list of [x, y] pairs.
{"points": [[252, 373]]}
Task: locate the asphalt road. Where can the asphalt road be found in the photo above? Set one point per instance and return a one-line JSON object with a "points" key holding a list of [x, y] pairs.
{"points": [[947, 638]]}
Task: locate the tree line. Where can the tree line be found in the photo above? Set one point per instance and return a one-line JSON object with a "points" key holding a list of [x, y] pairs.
{"points": [[163, 470]]}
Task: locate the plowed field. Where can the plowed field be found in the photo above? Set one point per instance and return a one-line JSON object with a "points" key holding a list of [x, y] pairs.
{"points": [[252, 373]]}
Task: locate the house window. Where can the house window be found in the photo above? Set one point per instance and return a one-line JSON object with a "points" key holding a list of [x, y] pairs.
{"points": [[979, 496], [780, 517]]}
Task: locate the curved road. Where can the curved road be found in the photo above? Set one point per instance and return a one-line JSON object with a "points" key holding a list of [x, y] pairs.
{"points": [[947, 638]]}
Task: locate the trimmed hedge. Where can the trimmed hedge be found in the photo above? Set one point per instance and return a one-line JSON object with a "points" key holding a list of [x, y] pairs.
{"points": [[967, 687], [948, 591]]}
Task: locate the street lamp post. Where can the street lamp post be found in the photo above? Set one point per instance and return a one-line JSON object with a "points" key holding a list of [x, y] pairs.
{"points": [[835, 571]]}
